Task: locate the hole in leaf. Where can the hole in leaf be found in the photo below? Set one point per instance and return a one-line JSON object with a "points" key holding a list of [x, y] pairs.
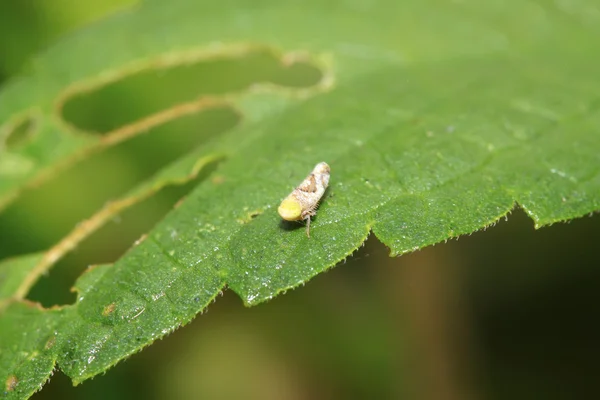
{"points": [[110, 242], [45, 214], [144, 93], [21, 132]]}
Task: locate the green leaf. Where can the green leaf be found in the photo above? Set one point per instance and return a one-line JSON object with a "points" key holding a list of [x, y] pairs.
{"points": [[435, 117], [14, 271]]}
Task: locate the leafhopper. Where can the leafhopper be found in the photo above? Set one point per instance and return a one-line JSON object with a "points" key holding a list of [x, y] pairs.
{"points": [[302, 203]]}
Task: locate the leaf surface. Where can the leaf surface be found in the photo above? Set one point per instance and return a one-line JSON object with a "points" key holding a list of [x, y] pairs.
{"points": [[436, 119]]}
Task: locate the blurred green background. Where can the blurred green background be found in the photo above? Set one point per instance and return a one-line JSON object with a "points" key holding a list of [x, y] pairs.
{"points": [[508, 313]]}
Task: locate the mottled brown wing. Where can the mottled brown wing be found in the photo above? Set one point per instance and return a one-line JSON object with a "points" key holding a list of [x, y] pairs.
{"points": [[309, 185]]}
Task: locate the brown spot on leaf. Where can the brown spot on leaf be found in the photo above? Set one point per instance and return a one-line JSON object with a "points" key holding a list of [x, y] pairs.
{"points": [[249, 216], [50, 343], [11, 383], [109, 309]]}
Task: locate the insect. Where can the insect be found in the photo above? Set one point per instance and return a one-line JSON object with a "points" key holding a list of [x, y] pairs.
{"points": [[302, 203]]}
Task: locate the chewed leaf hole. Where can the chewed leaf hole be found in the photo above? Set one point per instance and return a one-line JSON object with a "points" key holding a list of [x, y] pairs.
{"points": [[111, 241], [20, 132], [69, 198], [146, 92]]}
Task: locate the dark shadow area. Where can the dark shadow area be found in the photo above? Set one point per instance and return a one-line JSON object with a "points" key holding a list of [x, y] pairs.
{"points": [[292, 225], [534, 296]]}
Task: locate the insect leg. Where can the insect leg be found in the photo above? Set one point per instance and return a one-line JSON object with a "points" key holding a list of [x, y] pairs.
{"points": [[308, 226]]}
